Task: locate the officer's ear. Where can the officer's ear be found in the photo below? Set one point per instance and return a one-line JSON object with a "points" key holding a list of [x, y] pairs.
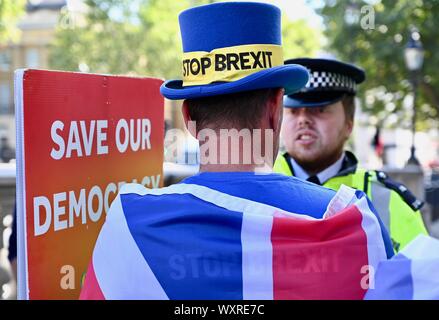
{"points": [[189, 123], [348, 103], [349, 126]]}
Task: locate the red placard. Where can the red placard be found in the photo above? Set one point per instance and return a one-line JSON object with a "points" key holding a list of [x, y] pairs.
{"points": [[79, 137]]}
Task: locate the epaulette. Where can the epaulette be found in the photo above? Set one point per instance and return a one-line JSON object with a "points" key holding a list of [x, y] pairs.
{"points": [[400, 189]]}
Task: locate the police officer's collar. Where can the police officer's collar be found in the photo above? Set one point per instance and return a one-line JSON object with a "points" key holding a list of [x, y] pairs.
{"points": [[323, 175], [349, 165]]}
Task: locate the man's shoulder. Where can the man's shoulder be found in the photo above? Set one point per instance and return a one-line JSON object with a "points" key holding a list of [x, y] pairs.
{"points": [[296, 195], [137, 195], [274, 182], [286, 193], [306, 186]]}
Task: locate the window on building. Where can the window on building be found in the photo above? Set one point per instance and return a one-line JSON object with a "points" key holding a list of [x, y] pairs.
{"points": [[5, 97], [5, 61], [32, 58]]}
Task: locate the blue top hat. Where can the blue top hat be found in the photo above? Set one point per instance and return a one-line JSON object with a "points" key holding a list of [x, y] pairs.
{"points": [[232, 47], [330, 80]]}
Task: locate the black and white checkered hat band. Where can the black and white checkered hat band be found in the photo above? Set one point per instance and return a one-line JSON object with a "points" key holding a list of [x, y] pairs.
{"points": [[328, 81]]}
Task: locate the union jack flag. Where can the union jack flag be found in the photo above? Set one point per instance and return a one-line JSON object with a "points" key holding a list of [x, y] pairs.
{"points": [[191, 241]]}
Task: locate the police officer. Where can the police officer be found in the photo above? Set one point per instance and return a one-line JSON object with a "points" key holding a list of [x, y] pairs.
{"points": [[317, 123]]}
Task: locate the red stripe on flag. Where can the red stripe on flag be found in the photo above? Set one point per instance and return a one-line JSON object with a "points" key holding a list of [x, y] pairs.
{"points": [[319, 259], [91, 289]]}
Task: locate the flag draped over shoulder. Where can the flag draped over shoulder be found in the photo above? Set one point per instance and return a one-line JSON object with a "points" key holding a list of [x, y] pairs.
{"points": [[412, 274], [188, 241]]}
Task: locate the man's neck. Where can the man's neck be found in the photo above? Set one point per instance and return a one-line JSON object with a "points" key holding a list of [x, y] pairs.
{"points": [[250, 154]]}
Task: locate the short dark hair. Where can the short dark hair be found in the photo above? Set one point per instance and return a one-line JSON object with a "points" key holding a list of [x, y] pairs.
{"points": [[237, 110], [348, 102]]}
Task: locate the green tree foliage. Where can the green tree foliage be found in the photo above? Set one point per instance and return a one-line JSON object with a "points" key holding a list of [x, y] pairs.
{"points": [[142, 37], [299, 39], [121, 37], [10, 11], [373, 34]]}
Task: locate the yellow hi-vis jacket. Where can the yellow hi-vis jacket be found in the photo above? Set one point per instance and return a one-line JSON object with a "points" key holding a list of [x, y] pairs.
{"points": [[395, 204]]}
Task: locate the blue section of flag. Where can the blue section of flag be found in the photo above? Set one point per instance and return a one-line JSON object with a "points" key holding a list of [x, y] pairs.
{"points": [[191, 245], [393, 280], [411, 274]]}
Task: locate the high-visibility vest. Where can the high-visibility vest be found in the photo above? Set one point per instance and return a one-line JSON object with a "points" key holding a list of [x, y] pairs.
{"points": [[395, 204]]}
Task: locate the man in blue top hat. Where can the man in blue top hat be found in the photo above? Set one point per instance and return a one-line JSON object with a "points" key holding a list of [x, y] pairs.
{"points": [[196, 239], [318, 121]]}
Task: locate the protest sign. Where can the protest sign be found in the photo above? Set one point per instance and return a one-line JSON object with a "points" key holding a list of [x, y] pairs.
{"points": [[79, 138]]}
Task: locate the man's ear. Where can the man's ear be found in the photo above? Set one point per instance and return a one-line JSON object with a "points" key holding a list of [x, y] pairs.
{"points": [[349, 128], [187, 119], [276, 108]]}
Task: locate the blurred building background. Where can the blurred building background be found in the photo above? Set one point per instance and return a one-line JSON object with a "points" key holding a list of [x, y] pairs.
{"points": [[31, 50], [140, 37]]}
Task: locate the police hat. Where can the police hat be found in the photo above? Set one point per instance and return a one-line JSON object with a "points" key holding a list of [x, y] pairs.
{"points": [[232, 47], [329, 81]]}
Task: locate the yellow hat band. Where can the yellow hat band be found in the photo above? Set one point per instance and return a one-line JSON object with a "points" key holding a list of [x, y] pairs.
{"points": [[229, 64]]}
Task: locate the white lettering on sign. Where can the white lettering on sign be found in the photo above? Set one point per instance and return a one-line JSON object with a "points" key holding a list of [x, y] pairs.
{"points": [[134, 134], [58, 140], [64, 209], [83, 138], [102, 137]]}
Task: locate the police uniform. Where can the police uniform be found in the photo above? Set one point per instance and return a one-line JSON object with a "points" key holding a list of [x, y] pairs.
{"points": [[397, 206]]}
